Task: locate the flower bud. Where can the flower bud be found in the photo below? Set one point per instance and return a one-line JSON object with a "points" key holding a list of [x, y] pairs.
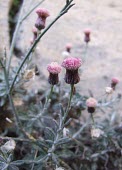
{"points": [[54, 69], [91, 104], [41, 20], [114, 82], [71, 65], [87, 33], [68, 47]]}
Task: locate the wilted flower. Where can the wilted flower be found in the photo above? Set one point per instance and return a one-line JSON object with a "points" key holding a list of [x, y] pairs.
{"points": [[65, 132], [87, 33], [91, 104], [8, 146], [29, 74], [95, 132], [71, 64], [54, 69], [109, 90], [114, 82], [41, 20]]}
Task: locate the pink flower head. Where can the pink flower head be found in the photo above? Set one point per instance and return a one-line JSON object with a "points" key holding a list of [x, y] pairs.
{"points": [[87, 31], [68, 46], [72, 63], [43, 13], [91, 102], [54, 68], [115, 80]]}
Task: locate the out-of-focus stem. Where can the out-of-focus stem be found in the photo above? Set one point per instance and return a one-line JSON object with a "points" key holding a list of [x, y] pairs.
{"points": [[20, 20]]}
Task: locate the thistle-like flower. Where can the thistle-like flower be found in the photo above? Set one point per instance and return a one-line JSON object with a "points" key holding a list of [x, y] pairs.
{"points": [[114, 82], [41, 20], [54, 69], [91, 104], [71, 64], [87, 33]]}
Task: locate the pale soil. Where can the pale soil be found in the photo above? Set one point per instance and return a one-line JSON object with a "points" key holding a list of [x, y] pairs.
{"points": [[104, 55]]}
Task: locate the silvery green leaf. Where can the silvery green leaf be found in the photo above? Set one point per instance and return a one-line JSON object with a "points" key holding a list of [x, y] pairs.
{"points": [[18, 162], [3, 166], [2, 159], [12, 167]]}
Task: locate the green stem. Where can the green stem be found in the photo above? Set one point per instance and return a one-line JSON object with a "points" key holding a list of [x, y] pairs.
{"points": [[48, 97], [92, 117], [50, 94], [37, 40], [69, 103]]}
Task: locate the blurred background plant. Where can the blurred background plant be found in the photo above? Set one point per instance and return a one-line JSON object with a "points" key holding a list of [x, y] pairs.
{"points": [[56, 128]]}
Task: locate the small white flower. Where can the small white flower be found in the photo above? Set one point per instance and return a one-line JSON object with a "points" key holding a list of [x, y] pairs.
{"points": [[108, 90], [65, 132], [8, 146], [95, 132], [59, 168], [65, 54]]}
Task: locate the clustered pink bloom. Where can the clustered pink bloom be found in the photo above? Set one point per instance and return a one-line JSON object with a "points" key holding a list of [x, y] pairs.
{"points": [[68, 47], [114, 82], [41, 20], [87, 33], [34, 30], [91, 104], [54, 69], [71, 64]]}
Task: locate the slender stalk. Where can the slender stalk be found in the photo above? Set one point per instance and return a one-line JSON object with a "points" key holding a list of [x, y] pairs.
{"points": [[69, 103], [44, 108], [14, 37], [49, 96], [92, 117], [37, 40], [36, 152]]}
